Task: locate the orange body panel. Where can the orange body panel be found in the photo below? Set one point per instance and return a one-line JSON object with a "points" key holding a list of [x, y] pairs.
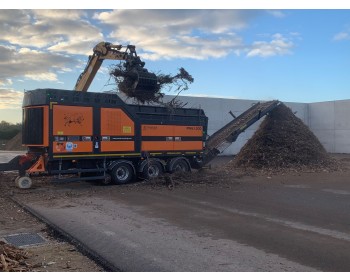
{"points": [[157, 146], [188, 145], [172, 146], [157, 130], [72, 147], [115, 146], [114, 122], [46, 126], [39, 166], [195, 131], [171, 130], [72, 120]]}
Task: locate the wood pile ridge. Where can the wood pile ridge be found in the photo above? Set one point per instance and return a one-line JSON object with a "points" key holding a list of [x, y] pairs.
{"points": [[15, 144], [13, 259], [283, 141]]}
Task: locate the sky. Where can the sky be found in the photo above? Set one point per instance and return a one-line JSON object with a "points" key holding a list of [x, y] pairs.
{"points": [[261, 54]]}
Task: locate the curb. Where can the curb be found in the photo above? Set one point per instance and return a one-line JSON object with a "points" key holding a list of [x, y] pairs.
{"points": [[82, 248]]}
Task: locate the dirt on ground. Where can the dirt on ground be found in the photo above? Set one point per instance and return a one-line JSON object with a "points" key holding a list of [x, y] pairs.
{"points": [[56, 254], [59, 255]]}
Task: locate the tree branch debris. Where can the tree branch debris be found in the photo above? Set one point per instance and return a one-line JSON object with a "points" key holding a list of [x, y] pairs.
{"points": [[147, 88]]}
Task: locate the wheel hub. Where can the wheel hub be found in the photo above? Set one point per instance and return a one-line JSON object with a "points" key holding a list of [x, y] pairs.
{"points": [[122, 173]]}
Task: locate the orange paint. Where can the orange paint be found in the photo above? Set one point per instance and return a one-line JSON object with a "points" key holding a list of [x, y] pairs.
{"points": [[171, 146], [114, 122], [39, 166], [46, 126], [72, 120], [78, 147], [188, 145], [171, 130], [157, 146], [116, 146]]}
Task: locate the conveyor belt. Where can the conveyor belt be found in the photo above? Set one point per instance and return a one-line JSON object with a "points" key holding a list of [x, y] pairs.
{"points": [[222, 138]]}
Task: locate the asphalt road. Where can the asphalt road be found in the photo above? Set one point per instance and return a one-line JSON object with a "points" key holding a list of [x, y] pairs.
{"points": [[251, 226], [130, 239], [283, 223]]}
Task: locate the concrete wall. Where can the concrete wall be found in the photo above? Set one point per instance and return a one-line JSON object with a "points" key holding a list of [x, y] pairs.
{"points": [[217, 110], [330, 121]]}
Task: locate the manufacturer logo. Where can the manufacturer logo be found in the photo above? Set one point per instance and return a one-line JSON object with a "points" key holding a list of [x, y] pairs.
{"points": [[69, 146]]}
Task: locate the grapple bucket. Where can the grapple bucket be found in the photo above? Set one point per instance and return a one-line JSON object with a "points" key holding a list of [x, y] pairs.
{"points": [[146, 82], [137, 81]]}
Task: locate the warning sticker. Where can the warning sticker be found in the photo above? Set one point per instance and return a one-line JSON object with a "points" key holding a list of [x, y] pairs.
{"points": [[126, 129]]}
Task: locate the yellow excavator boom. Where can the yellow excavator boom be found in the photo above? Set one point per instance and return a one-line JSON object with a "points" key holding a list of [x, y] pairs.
{"points": [[102, 51]]}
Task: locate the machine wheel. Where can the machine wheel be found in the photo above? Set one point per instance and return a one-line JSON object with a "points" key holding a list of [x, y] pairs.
{"points": [[24, 182], [179, 165], [197, 162], [122, 173], [152, 169]]}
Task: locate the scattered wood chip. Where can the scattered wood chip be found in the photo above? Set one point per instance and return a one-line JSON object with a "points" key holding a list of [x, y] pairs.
{"points": [[13, 258], [283, 142]]}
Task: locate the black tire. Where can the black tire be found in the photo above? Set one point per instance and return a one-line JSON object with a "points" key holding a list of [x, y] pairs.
{"points": [[122, 173], [197, 163], [179, 166], [152, 169]]}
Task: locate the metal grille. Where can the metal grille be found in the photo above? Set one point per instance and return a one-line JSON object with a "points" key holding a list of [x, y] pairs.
{"points": [[32, 128], [24, 239]]}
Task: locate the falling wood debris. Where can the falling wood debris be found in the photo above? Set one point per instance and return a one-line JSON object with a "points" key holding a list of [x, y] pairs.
{"points": [[146, 87]]}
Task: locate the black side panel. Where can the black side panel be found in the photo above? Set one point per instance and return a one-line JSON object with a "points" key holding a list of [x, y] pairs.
{"points": [[33, 125]]}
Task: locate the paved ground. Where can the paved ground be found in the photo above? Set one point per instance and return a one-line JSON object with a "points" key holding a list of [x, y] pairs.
{"points": [[6, 156], [213, 221], [131, 238], [55, 254]]}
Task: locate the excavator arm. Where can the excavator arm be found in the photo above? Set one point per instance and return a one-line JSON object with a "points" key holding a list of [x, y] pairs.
{"points": [[85, 79], [105, 50]]}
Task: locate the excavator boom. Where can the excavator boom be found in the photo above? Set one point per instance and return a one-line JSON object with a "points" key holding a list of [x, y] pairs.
{"points": [[133, 64], [85, 79]]}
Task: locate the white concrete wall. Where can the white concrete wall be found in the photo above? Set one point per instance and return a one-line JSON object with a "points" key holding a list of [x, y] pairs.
{"points": [[217, 111], [329, 121], [321, 120]]}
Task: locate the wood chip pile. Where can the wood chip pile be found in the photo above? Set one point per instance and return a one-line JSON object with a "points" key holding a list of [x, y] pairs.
{"points": [[15, 144], [13, 259], [283, 141]]}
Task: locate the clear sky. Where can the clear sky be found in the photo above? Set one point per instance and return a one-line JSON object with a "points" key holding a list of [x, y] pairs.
{"points": [[291, 55]]}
